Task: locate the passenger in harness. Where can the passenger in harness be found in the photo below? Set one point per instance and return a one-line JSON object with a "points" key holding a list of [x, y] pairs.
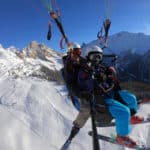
{"points": [[120, 111]]}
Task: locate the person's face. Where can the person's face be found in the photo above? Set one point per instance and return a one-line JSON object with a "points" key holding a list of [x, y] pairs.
{"points": [[77, 51]]}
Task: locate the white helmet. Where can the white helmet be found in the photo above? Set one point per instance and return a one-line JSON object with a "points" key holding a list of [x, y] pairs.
{"points": [[93, 54], [75, 45], [92, 49]]}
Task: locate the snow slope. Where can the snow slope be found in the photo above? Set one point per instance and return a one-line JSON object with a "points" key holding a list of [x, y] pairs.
{"points": [[36, 114]]}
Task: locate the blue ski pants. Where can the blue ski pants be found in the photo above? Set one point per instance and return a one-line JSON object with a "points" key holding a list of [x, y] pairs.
{"points": [[121, 112]]}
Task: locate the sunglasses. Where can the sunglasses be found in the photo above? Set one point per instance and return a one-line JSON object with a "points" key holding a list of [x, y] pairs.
{"points": [[77, 51], [95, 56]]}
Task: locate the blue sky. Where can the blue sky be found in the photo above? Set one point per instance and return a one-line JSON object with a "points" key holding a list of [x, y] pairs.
{"points": [[23, 21]]}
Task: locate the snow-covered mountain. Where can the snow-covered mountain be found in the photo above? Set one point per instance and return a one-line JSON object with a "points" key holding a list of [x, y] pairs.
{"points": [[132, 50], [123, 41], [133, 66], [35, 61], [34, 50], [35, 112]]}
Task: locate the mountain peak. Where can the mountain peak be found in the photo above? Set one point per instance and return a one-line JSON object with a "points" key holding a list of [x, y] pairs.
{"points": [[35, 49], [33, 45], [123, 41]]}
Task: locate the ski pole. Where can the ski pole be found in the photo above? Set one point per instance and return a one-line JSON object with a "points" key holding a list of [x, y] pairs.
{"points": [[94, 129]]}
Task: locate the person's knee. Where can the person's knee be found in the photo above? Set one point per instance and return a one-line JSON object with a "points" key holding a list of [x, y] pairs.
{"points": [[132, 98], [85, 95], [121, 113], [126, 113], [128, 98]]}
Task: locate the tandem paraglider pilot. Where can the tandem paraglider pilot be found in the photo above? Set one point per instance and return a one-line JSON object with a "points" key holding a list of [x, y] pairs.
{"points": [[91, 77]]}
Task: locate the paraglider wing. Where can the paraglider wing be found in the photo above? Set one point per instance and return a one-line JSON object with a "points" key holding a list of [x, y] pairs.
{"points": [[61, 43], [107, 24], [49, 34]]}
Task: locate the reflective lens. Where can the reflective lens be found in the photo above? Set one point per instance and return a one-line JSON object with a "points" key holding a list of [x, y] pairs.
{"points": [[95, 56]]}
